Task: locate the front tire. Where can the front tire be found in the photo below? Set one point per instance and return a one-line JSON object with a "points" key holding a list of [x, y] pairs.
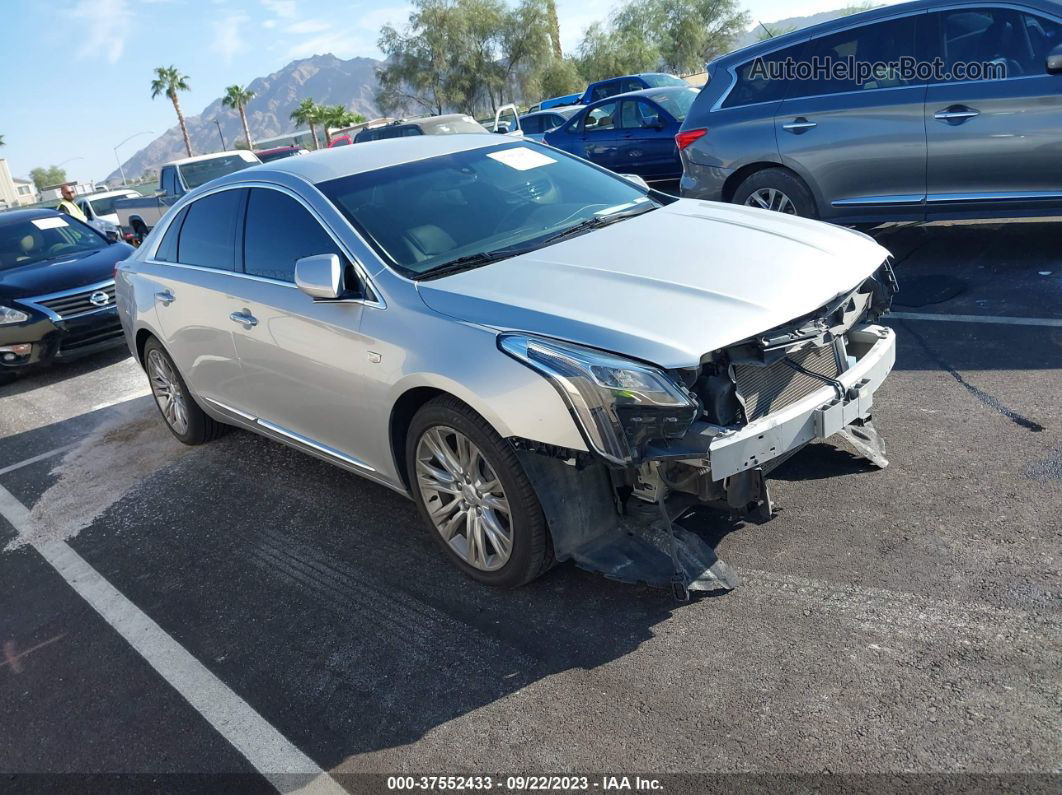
{"points": [[182, 415], [778, 190], [477, 500]]}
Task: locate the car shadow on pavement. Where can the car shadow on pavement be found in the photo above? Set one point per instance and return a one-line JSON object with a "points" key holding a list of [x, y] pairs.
{"points": [[312, 592], [45, 376]]}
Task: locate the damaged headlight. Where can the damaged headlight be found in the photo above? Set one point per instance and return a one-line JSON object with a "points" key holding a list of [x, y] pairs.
{"points": [[619, 404]]}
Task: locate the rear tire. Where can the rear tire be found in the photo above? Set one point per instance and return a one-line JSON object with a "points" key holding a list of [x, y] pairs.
{"points": [[182, 415], [460, 491], [779, 190]]}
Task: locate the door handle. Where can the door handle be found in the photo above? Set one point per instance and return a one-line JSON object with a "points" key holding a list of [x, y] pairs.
{"points": [[165, 297], [956, 113], [799, 125], [245, 319]]}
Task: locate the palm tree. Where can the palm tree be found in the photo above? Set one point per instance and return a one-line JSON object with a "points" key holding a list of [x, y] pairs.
{"points": [[169, 81], [337, 116], [2, 141], [236, 97], [308, 112]]}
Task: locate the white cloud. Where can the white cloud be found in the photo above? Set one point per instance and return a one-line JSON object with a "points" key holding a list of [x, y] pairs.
{"points": [[347, 41], [105, 25], [304, 26], [227, 39], [285, 9]]}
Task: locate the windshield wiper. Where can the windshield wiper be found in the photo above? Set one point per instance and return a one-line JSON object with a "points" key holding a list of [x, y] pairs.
{"points": [[469, 262], [597, 222]]}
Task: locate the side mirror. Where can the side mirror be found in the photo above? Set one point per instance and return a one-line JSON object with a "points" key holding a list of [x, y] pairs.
{"points": [[320, 276], [1054, 61], [111, 235], [641, 183], [502, 128]]}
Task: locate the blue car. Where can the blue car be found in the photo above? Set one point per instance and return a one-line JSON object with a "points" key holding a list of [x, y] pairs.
{"points": [[536, 125], [603, 89], [557, 102], [631, 133]]}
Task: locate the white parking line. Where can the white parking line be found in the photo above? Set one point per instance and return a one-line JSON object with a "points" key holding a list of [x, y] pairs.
{"points": [[994, 320], [37, 458], [268, 751]]}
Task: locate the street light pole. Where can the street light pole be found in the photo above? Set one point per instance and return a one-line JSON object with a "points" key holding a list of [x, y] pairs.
{"points": [[121, 170], [221, 135]]}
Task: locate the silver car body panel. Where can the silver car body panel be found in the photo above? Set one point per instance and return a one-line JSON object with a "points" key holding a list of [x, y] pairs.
{"points": [[666, 288]]}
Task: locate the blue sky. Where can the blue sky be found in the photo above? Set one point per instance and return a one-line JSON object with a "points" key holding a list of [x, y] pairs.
{"points": [[74, 74]]}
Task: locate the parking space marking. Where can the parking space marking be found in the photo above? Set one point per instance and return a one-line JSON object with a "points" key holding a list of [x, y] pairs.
{"points": [[36, 458], [990, 319], [268, 751]]}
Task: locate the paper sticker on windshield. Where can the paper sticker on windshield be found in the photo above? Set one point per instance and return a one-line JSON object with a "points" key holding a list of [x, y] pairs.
{"points": [[49, 223], [521, 158]]}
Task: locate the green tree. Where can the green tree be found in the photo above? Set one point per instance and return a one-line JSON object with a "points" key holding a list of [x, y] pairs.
{"points": [[47, 177], [554, 28], [559, 77], [336, 117], [237, 98], [168, 80], [675, 35], [2, 142], [308, 112]]}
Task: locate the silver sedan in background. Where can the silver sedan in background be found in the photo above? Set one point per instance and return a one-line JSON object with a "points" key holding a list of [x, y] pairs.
{"points": [[554, 362]]}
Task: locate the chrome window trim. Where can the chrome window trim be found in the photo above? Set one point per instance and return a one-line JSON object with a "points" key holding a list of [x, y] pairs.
{"points": [[55, 316], [376, 301]]}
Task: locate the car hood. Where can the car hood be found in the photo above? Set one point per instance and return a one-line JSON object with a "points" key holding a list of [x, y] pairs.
{"points": [[666, 287], [64, 273]]}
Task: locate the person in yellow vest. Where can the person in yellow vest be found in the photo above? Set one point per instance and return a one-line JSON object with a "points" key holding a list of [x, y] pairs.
{"points": [[67, 205]]}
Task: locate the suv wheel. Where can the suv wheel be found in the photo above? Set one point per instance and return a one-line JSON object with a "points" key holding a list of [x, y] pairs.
{"points": [[778, 190], [472, 491], [189, 423]]}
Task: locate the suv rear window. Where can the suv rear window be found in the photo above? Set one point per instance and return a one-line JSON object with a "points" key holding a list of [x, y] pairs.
{"points": [[752, 87]]}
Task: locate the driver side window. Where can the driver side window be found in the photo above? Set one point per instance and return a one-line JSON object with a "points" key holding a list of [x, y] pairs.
{"points": [[601, 118], [1005, 36], [638, 115]]}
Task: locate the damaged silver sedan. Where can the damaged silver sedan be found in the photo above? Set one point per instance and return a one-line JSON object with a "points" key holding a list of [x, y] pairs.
{"points": [[553, 361]]}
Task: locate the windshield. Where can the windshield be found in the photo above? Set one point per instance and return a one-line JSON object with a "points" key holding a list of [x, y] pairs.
{"points": [[676, 101], [661, 80], [202, 171], [424, 215], [105, 204], [40, 239]]}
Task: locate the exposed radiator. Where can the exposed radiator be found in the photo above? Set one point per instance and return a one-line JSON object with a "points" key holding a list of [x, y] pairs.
{"points": [[769, 389]]}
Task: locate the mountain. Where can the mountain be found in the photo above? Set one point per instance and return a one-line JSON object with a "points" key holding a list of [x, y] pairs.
{"points": [[326, 78]]}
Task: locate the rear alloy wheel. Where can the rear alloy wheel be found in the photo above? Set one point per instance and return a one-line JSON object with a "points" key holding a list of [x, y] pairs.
{"points": [[189, 423], [477, 499], [777, 190]]}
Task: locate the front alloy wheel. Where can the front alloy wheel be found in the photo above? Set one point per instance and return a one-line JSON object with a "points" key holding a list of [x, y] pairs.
{"points": [[472, 490], [464, 498], [771, 199]]}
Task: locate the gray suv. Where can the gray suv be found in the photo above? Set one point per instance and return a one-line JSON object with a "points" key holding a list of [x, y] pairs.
{"points": [[958, 114]]}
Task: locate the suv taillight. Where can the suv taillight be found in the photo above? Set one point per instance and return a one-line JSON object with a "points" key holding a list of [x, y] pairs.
{"points": [[687, 137]]}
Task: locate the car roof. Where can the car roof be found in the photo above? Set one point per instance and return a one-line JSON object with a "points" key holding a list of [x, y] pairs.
{"points": [[344, 161], [560, 110], [648, 93], [276, 149], [197, 158], [15, 216], [106, 194]]}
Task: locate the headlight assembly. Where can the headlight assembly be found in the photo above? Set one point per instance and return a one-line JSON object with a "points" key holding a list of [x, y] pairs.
{"points": [[9, 316], [618, 403]]}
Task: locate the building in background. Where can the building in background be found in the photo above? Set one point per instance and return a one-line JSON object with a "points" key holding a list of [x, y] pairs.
{"points": [[53, 192], [25, 191], [8, 192]]}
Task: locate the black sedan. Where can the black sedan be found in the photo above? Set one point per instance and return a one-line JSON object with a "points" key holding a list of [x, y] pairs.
{"points": [[56, 289]]}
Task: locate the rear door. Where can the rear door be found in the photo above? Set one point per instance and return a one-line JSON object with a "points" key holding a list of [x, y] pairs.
{"points": [[994, 143], [197, 291], [303, 361], [860, 144]]}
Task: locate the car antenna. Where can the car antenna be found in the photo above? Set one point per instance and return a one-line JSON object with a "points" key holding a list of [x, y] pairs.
{"points": [[766, 30]]}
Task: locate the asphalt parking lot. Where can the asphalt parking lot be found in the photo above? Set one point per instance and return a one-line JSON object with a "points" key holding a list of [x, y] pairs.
{"points": [[898, 621]]}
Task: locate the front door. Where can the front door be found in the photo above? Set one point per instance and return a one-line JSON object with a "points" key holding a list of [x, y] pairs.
{"points": [[303, 362], [859, 143], [995, 144], [647, 147], [601, 136]]}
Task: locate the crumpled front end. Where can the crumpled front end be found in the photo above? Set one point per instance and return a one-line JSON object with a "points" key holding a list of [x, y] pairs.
{"points": [[755, 404]]}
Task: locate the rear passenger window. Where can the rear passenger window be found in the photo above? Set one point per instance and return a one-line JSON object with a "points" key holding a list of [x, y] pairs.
{"points": [[167, 251], [208, 234], [1020, 42], [875, 46], [279, 231], [755, 83]]}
